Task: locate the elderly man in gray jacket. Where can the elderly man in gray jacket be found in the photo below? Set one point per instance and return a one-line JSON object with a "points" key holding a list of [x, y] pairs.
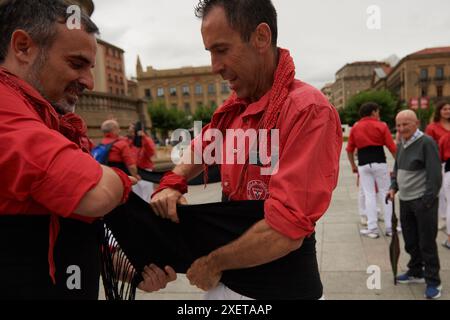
{"points": [[417, 179]]}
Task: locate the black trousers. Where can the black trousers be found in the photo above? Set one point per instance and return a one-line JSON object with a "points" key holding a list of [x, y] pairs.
{"points": [[420, 227]]}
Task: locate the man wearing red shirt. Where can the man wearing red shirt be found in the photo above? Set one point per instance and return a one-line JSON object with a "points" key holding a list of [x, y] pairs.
{"points": [[242, 42], [369, 136], [120, 155], [52, 189], [143, 149]]}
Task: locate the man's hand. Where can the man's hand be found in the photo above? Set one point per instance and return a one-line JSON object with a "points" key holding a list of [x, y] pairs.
{"points": [[133, 180], [355, 169], [156, 279], [164, 204], [391, 195], [203, 275]]}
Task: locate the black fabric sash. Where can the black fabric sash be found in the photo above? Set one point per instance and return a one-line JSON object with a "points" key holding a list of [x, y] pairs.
{"points": [[146, 238], [24, 268], [373, 154]]}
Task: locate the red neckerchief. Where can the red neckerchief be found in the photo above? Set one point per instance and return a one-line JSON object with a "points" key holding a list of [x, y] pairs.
{"points": [[224, 116], [70, 125]]}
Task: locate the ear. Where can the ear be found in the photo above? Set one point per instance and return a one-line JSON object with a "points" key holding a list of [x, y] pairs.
{"points": [[262, 37], [23, 48]]}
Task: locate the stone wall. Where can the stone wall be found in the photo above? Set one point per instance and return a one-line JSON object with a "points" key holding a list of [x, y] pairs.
{"points": [[95, 107]]}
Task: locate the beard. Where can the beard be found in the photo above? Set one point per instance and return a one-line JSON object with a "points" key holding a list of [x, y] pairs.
{"points": [[65, 104], [34, 75]]}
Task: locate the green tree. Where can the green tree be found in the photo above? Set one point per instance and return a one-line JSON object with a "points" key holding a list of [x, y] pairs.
{"points": [[204, 114], [388, 104], [165, 120]]}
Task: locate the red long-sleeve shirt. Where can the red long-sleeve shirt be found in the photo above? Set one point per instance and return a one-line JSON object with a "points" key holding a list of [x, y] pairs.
{"points": [[444, 147], [299, 194], [144, 154], [42, 172], [370, 132], [436, 131]]}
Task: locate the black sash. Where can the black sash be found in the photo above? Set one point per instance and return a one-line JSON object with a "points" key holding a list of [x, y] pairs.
{"points": [[24, 267], [146, 238], [374, 154]]}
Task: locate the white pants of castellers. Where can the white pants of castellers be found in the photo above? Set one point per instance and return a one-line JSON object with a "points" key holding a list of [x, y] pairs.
{"points": [[446, 188], [369, 175], [443, 196], [222, 292]]}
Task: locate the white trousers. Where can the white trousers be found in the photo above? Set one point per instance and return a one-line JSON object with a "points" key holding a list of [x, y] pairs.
{"points": [[443, 196], [446, 188], [369, 175], [222, 292]]}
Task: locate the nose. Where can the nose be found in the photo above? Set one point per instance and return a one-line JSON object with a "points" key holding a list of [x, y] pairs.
{"points": [[217, 65], [87, 80]]}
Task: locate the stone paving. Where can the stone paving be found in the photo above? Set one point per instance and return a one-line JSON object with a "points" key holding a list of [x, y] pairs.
{"points": [[344, 256]]}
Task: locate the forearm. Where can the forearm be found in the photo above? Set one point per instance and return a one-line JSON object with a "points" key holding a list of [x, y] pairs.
{"points": [[259, 245], [189, 171], [102, 199], [351, 159]]}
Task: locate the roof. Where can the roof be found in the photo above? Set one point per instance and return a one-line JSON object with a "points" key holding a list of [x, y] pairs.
{"points": [[431, 51]]}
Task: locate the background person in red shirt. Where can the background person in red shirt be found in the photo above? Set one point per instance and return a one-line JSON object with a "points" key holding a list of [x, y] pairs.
{"points": [[439, 128], [143, 149], [120, 156], [369, 136], [242, 43], [52, 189]]}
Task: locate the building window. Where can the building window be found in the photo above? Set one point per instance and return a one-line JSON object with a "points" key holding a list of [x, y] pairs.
{"points": [[173, 92], [122, 92], [121, 80], [160, 92], [198, 89], [199, 104], [423, 74], [439, 73], [439, 91], [111, 90], [211, 89], [117, 91], [148, 93], [110, 77], [116, 80], [187, 108], [185, 90], [424, 92], [225, 87], [174, 106]]}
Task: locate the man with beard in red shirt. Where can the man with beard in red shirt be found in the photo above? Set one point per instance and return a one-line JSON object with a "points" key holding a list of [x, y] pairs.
{"points": [[52, 190]]}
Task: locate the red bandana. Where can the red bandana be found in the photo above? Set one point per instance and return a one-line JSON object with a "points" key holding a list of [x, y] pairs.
{"points": [[283, 79]]}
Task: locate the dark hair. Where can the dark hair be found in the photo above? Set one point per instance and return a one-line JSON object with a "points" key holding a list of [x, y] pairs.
{"points": [[368, 108], [439, 107], [244, 15], [38, 18]]}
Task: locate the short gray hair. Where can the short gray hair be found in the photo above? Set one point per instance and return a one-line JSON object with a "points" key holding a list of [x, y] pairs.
{"points": [[109, 125], [38, 18]]}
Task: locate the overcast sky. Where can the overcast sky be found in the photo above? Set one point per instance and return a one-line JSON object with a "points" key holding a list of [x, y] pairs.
{"points": [[322, 35]]}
